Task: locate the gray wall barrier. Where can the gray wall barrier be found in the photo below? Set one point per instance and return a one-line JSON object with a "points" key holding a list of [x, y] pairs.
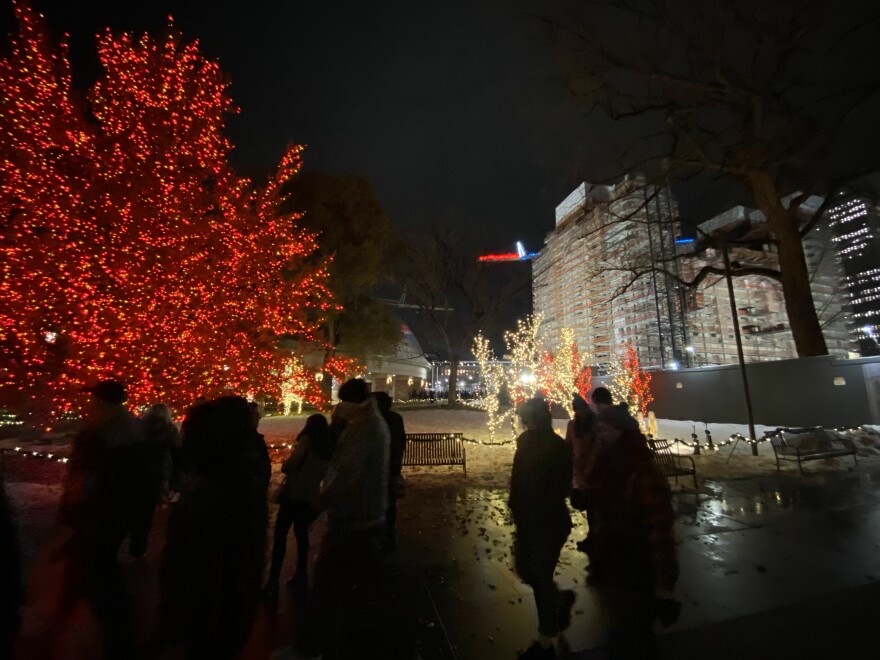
{"points": [[819, 391]]}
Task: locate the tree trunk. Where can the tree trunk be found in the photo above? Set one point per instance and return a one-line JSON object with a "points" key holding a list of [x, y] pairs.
{"points": [[795, 276], [453, 378], [329, 354]]}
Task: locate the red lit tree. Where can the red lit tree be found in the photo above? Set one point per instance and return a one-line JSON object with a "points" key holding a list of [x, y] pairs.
{"points": [[629, 382], [585, 382], [129, 246]]}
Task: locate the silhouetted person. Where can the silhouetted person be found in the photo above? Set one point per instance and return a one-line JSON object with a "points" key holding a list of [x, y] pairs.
{"points": [[395, 463], [161, 439], [601, 399], [212, 564], [97, 505], [633, 564], [354, 496], [539, 483], [304, 469], [11, 589], [580, 434]]}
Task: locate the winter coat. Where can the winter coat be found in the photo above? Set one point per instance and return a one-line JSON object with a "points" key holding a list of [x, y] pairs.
{"points": [[540, 481], [583, 450], [632, 542], [104, 472], [305, 470], [163, 442], [355, 490], [213, 560]]}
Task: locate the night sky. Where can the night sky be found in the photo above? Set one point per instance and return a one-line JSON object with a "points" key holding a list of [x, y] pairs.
{"points": [[455, 110]]}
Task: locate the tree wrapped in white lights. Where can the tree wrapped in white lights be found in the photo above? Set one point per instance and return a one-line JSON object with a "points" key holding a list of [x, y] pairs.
{"points": [[522, 345], [560, 375], [493, 380], [295, 385]]}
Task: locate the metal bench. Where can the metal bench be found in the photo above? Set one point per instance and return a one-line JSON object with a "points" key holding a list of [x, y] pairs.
{"points": [[669, 464], [431, 449], [809, 444]]}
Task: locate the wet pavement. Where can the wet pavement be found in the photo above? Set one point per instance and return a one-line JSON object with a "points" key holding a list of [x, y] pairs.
{"points": [[755, 554], [774, 567]]}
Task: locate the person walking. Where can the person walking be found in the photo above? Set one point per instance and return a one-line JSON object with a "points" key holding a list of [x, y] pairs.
{"points": [[633, 565], [354, 499], [304, 469], [155, 457], [580, 434], [539, 483], [97, 507], [397, 433]]}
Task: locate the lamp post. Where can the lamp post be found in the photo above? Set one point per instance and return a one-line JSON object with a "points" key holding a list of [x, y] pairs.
{"points": [[739, 346]]}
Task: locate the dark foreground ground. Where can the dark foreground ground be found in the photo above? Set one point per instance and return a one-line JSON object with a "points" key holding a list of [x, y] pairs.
{"points": [[775, 567]]}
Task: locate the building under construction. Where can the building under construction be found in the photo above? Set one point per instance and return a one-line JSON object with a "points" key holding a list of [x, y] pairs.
{"points": [[584, 278], [611, 270]]}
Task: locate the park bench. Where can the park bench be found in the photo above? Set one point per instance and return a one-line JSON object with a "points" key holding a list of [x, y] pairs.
{"points": [[669, 464], [435, 449], [809, 444]]}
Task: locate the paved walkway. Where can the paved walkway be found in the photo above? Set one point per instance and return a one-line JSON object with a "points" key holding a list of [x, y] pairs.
{"points": [[778, 567]]}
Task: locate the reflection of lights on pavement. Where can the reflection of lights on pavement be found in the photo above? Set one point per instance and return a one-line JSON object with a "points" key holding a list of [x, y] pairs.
{"points": [[673, 365]]}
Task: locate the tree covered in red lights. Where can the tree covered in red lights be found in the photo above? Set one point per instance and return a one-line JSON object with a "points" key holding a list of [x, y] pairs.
{"points": [[129, 247], [630, 383]]}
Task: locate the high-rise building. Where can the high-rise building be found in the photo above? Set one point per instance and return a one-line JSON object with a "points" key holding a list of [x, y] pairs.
{"points": [[764, 325], [855, 229], [585, 279]]}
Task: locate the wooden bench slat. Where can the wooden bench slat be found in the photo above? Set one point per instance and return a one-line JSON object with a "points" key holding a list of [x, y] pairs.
{"points": [[433, 449]]}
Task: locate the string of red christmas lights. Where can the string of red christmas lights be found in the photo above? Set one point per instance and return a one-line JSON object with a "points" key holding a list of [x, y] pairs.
{"points": [[129, 247]]}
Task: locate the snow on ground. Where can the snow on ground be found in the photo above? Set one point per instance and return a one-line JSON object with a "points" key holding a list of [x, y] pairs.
{"points": [[489, 466]]}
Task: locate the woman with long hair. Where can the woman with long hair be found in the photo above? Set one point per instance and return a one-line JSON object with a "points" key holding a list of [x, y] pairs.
{"points": [[214, 555], [304, 470]]}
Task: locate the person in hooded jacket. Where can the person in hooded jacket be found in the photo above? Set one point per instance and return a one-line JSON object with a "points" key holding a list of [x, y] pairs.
{"points": [[539, 484], [633, 564], [354, 500], [304, 470]]}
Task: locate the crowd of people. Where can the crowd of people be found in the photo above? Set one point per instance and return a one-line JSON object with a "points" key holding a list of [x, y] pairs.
{"points": [[604, 467], [215, 475]]}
